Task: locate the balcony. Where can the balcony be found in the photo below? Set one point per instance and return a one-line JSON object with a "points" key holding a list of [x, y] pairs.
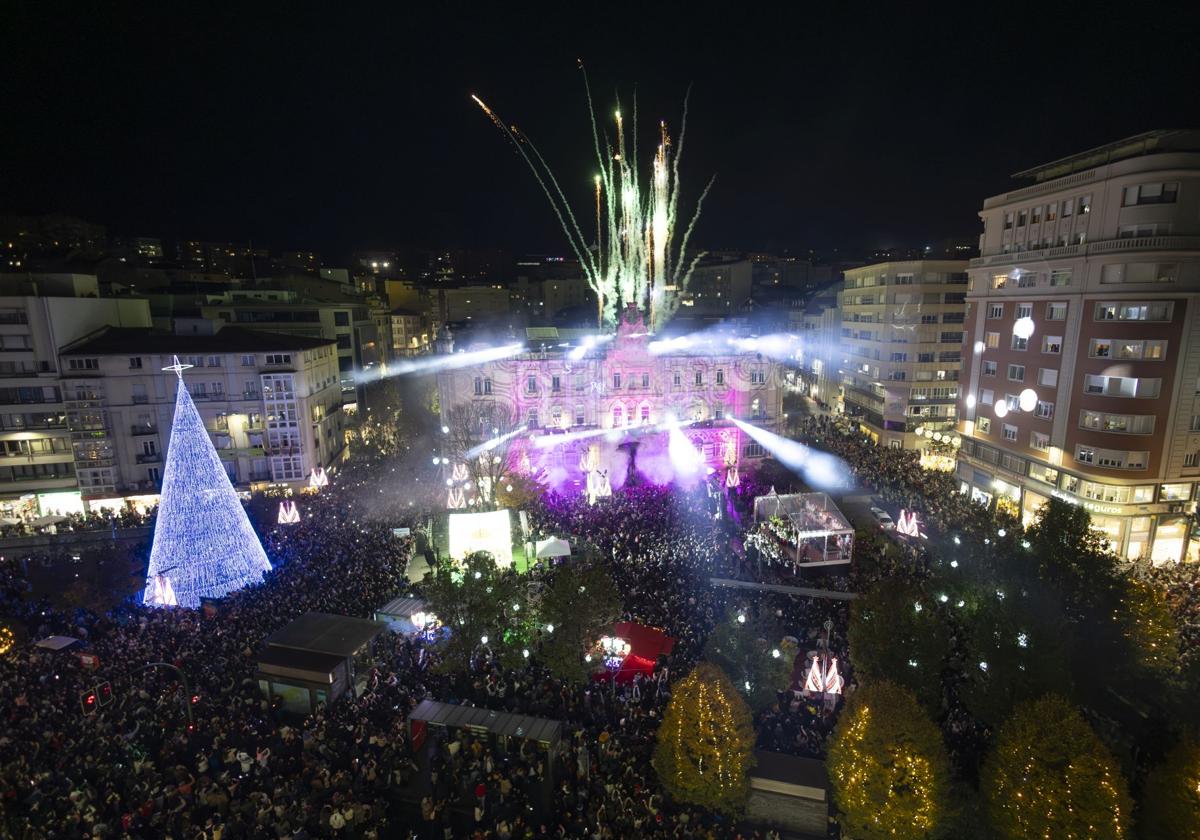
{"points": [[143, 429], [1145, 243], [1103, 246], [149, 457]]}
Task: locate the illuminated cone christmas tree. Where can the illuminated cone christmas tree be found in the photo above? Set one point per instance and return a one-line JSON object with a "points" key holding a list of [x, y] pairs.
{"points": [[204, 545]]}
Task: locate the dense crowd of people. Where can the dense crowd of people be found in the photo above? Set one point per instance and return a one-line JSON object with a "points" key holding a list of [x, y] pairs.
{"points": [[245, 768], [1181, 583], [896, 475], [138, 769]]}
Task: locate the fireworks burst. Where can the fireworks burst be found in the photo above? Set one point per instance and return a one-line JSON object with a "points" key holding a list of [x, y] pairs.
{"points": [[632, 259]]}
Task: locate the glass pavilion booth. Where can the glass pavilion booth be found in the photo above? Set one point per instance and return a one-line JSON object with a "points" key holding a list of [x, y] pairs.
{"points": [[317, 658]]}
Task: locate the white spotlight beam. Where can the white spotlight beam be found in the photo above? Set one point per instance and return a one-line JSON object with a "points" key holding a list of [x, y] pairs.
{"points": [[551, 441], [685, 458], [489, 445], [820, 469], [586, 344], [447, 362]]}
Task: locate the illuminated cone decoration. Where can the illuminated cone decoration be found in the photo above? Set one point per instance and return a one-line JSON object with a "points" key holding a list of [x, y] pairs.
{"points": [[289, 514], [204, 545]]}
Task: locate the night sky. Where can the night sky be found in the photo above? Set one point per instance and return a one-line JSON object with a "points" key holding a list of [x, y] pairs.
{"points": [[301, 128]]}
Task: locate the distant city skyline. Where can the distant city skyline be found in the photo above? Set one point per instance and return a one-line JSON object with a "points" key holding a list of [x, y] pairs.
{"points": [[327, 133]]}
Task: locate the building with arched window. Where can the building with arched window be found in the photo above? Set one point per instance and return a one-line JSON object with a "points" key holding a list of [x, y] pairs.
{"points": [[632, 385]]}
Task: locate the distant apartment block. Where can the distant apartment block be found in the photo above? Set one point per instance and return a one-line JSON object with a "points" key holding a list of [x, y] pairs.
{"points": [[902, 346]]}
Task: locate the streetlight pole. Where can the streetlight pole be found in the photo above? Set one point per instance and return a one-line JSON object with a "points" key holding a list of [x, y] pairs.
{"points": [[187, 692]]}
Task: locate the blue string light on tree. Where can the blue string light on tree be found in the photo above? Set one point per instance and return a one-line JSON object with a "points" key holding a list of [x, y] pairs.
{"points": [[204, 545]]}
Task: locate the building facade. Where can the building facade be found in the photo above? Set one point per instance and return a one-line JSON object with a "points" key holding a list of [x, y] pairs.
{"points": [[718, 289], [629, 386], [411, 335], [819, 361], [271, 403], [1083, 338], [360, 328], [37, 473], [901, 342]]}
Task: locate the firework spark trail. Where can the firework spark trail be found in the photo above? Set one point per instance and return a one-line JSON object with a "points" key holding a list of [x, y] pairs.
{"points": [[633, 260], [550, 174], [581, 253]]}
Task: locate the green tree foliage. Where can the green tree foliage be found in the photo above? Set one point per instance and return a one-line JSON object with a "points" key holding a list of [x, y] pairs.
{"points": [[746, 652], [1048, 775], [894, 626], [889, 768], [1171, 801], [519, 491], [1148, 626], [705, 745], [477, 600], [1017, 648], [580, 603], [1073, 557]]}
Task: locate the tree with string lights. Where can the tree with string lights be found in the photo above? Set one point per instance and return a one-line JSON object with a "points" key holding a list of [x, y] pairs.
{"points": [[1149, 627], [888, 767], [705, 745], [1048, 775], [1171, 798]]}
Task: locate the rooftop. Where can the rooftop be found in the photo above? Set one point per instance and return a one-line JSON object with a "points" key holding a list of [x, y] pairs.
{"points": [[144, 340], [1149, 142], [340, 635]]}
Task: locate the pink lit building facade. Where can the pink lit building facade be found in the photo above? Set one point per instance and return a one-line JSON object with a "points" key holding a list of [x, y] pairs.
{"points": [[628, 388]]}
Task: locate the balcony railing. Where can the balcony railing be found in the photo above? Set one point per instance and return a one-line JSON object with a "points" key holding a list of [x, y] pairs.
{"points": [[149, 457], [1103, 246], [143, 429]]}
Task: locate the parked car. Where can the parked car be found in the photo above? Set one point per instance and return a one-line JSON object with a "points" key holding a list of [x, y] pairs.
{"points": [[883, 518]]}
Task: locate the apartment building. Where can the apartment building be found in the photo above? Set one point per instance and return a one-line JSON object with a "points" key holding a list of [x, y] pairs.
{"points": [[271, 402], [361, 329], [902, 346], [718, 288], [819, 361], [37, 470], [411, 336], [1083, 334]]}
